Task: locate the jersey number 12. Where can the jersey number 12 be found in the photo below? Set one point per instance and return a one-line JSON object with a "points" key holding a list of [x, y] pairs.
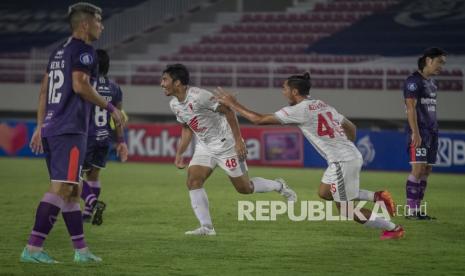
{"points": [[55, 82]]}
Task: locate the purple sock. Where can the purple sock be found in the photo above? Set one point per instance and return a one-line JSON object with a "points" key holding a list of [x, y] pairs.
{"points": [[46, 215], [413, 192], [423, 184], [95, 187], [73, 219], [88, 193], [86, 190]]}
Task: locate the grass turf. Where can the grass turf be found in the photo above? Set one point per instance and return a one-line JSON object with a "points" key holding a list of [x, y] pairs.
{"points": [[148, 210]]}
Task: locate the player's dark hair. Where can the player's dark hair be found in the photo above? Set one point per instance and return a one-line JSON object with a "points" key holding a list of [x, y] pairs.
{"points": [[81, 11], [103, 62], [302, 83], [178, 72], [432, 52]]}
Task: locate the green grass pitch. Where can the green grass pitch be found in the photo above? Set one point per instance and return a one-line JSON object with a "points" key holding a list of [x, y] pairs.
{"points": [[148, 210]]}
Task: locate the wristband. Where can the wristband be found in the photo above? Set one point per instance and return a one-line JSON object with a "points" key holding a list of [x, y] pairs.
{"points": [[120, 140], [110, 107]]}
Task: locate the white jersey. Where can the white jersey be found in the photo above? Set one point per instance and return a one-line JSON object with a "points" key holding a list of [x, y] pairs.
{"points": [[321, 125], [198, 112]]}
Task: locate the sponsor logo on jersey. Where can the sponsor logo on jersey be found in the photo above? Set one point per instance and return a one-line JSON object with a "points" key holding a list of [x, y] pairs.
{"points": [[86, 58], [412, 86], [194, 125], [59, 54]]}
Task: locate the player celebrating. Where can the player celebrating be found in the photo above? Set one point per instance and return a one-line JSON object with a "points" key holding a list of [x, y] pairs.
{"points": [[63, 114], [332, 135], [219, 144], [99, 142], [422, 129]]}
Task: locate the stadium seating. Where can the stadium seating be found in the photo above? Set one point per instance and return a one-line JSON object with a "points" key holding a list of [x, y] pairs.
{"points": [[275, 34], [261, 45], [405, 30], [35, 24]]}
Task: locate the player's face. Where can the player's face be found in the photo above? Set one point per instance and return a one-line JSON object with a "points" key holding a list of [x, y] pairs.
{"points": [[287, 92], [95, 27], [167, 84], [435, 64]]}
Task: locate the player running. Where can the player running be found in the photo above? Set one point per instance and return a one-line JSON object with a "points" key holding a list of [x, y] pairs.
{"points": [[332, 135], [219, 143]]}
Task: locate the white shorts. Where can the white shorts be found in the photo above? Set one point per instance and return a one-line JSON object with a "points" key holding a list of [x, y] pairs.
{"points": [[228, 161], [344, 178]]}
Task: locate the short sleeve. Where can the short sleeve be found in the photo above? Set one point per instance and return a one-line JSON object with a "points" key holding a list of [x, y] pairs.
{"points": [[411, 88], [173, 109], [84, 59], [338, 117], [291, 115], [207, 100]]}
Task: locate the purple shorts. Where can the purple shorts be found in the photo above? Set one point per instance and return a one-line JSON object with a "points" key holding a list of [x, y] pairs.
{"points": [[65, 155], [96, 154], [427, 151]]}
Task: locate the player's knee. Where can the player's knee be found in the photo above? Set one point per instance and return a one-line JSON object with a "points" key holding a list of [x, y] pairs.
{"points": [[416, 173], [193, 184], [325, 194], [244, 189], [427, 171]]}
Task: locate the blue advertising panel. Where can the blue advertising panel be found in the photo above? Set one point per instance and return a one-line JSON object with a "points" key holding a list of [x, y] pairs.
{"points": [[381, 150], [387, 150]]}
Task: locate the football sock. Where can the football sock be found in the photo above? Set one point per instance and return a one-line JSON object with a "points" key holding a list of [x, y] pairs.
{"points": [[73, 219], [379, 223], [90, 193], [199, 202], [423, 184], [95, 187], [413, 193], [366, 195], [262, 185], [46, 216]]}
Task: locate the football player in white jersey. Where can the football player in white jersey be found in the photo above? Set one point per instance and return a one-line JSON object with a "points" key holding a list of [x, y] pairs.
{"points": [[332, 135], [219, 143]]}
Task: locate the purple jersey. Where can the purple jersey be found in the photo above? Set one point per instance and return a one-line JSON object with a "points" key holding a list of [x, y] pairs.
{"points": [[99, 127], [66, 112], [424, 91]]}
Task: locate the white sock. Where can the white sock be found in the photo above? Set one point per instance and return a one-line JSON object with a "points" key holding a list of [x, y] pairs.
{"points": [[262, 185], [366, 195], [199, 202], [380, 223]]}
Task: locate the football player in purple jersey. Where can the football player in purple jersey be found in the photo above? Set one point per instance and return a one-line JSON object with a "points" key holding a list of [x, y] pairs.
{"points": [[99, 141], [65, 100], [422, 128]]}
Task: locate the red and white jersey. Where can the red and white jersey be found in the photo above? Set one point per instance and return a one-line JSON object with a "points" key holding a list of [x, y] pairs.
{"points": [[321, 125], [198, 111]]}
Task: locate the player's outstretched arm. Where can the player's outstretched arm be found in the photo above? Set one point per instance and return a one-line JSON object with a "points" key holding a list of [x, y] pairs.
{"points": [[81, 86], [36, 140], [230, 101], [349, 129], [186, 137]]}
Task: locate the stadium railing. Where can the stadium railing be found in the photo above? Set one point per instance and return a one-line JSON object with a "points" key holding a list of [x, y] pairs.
{"points": [[341, 76]]}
